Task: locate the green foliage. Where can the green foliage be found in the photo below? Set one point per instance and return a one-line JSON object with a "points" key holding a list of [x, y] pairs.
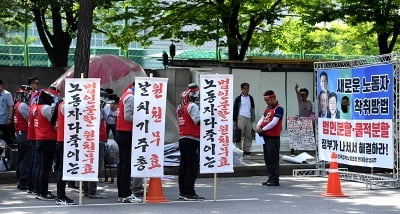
{"points": [[296, 36], [195, 21], [13, 15], [383, 14]]}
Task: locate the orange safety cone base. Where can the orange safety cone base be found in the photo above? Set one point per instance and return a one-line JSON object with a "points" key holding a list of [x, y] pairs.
{"points": [[334, 188], [156, 200], [331, 195], [155, 194]]}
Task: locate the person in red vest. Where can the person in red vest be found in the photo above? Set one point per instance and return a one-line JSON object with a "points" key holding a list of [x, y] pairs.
{"points": [[34, 185], [270, 127], [188, 113], [62, 198], [124, 140], [25, 149], [46, 137], [90, 187]]}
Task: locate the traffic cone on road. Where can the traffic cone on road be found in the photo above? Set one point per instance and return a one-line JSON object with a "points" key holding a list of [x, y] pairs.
{"points": [[334, 188], [155, 194]]}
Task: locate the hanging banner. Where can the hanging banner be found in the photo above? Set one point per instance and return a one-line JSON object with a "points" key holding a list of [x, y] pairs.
{"points": [[355, 111], [216, 123], [81, 129], [149, 127]]}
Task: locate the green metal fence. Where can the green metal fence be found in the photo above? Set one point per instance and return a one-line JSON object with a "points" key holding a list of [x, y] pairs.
{"points": [[13, 55]]}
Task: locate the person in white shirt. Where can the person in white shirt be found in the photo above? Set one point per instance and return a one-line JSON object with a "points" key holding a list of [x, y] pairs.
{"points": [[111, 112]]}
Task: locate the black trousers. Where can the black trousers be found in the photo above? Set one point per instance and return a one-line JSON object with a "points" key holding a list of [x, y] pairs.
{"points": [[46, 149], [60, 161], [271, 157], [189, 165], [124, 141]]}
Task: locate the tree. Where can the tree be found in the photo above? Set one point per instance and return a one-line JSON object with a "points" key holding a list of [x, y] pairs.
{"points": [[85, 25], [12, 17], [56, 22], [383, 14], [296, 36], [234, 22]]}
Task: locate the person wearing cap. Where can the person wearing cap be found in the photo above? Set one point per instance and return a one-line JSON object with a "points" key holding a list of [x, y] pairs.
{"points": [[269, 127], [124, 130], [188, 114], [6, 114], [111, 112], [25, 148]]}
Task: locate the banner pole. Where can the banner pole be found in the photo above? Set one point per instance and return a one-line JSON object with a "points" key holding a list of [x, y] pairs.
{"points": [[145, 190], [80, 182], [80, 192], [215, 186]]}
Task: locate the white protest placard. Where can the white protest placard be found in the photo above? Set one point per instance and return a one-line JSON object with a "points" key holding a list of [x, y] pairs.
{"points": [[81, 129], [149, 127], [216, 123]]}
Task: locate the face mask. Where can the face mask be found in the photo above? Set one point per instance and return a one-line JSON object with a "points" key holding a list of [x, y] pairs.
{"points": [[345, 108]]}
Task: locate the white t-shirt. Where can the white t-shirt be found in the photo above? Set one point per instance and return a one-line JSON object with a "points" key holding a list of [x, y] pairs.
{"points": [[111, 116]]}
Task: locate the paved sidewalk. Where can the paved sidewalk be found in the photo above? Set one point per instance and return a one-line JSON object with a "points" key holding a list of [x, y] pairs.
{"points": [[251, 166], [234, 195]]}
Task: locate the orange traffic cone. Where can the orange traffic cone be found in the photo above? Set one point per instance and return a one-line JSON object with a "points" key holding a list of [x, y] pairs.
{"points": [[334, 188], [155, 194]]}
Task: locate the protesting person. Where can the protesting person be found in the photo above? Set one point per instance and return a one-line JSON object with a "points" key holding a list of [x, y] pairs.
{"points": [[304, 105], [188, 113], [124, 140], [25, 150], [270, 127]]}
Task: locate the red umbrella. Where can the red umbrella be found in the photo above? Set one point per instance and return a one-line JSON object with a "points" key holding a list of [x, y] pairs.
{"points": [[114, 71]]}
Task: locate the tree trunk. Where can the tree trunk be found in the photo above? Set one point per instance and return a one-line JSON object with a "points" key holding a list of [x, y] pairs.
{"points": [[383, 43], [85, 25], [57, 42]]}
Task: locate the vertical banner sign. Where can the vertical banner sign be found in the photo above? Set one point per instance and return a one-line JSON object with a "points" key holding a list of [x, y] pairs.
{"points": [[81, 129], [149, 127], [355, 115], [216, 129]]}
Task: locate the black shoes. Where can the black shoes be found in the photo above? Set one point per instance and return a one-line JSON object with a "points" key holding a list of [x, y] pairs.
{"points": [[270, 183], [247, 153], [194, 197]]}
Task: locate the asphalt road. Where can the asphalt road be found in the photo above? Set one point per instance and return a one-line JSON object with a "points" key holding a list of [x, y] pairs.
{"points": [[243, 195]]}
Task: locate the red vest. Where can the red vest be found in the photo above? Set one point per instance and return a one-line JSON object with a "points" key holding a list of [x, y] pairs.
{"points": [[103, 131], [186, 125], [268, 116], [43, 128], [60, 123], [122, 124], [31, 126], [19, 122]]}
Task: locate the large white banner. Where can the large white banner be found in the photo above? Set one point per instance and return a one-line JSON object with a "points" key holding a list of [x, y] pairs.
{"points": [[216, 123], [355, 115], [149, 127], [357, 142], [81, 129]]}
